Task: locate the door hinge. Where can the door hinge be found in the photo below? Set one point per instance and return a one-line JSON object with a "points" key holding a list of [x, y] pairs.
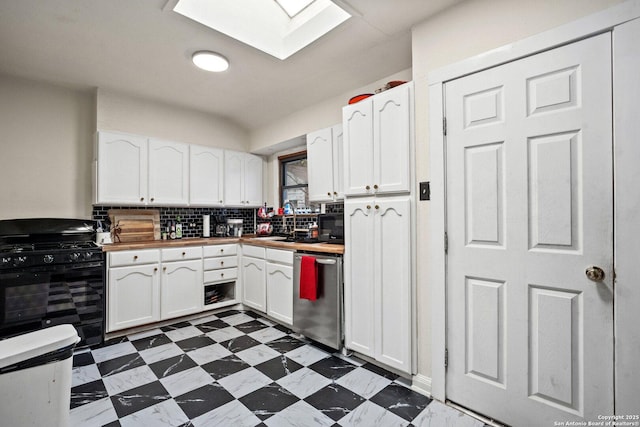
{"points": [[446, 242], [446, 358], [444, 126]]}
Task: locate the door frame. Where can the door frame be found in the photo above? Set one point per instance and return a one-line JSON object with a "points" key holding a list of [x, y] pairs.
{"points": [[626, 197]]}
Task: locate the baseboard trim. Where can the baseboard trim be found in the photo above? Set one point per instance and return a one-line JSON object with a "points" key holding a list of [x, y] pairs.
{"points": [[421, 384]]}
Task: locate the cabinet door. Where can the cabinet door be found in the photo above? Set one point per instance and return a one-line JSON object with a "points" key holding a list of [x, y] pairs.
{"points": [[392, 137], [122, 169], [338, 162], [182, 291], [133, 296], [280, 292], [206, 176], [253, 181], [233, 178], [168, 173], [359, 264], [357, 120], [253, 283], [393, 281], [320, 165]]}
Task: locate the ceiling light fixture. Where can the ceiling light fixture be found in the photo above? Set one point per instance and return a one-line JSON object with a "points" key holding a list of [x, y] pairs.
{"points": [[210, 61]]}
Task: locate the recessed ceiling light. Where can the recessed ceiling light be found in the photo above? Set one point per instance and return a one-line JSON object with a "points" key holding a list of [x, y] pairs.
{"points": [[210, 61]]}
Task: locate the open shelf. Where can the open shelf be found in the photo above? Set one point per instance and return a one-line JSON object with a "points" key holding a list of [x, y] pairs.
{"points": [[217, 293]]}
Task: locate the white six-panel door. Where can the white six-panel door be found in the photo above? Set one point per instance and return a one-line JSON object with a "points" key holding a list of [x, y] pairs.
{"points": [[529, 209]]}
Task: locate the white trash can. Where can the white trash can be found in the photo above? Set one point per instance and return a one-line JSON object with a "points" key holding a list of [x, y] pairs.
{"points": [[35, 377]]}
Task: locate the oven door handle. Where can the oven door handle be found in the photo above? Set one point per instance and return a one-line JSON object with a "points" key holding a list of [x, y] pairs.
{"points": [[322, 261]]}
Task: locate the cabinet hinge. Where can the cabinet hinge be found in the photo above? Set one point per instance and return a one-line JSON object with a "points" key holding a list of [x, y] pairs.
{"points": [[446, 358], [444, 126], [446, 242]]}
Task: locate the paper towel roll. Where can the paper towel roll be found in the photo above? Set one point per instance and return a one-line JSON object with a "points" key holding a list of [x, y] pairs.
{"points": [[206, 228]]}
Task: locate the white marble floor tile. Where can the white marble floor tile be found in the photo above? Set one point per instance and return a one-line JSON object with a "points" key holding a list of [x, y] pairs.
{"points": [[126, 380], [437, 414], [208, 354], [257, 354], [364, 382], [267, 334], [95, 414], [369, 414], [244, 382], [266, 321], [185, 381], [224, 334], [205, 319], [300, 414], [113, 351], [164, 414], [144, 334], [161, 352], [306, 355], [233, 414], [304, 382], [84, 374], [237, 319], [183, 333]]}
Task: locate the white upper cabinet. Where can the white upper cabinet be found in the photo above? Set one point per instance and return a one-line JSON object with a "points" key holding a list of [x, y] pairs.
{"points": [[122, 169], [242, 179], [325, 164], [377, 138], [168, 173], [206, 176]]}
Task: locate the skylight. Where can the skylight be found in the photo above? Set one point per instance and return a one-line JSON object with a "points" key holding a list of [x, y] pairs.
{"points": [[263, 25], [293, 7]]}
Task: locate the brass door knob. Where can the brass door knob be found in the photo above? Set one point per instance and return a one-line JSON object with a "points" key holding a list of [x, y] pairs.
{"points": [[155, 269], [377, 207], [184, 253], [135, 257], [221, 263], [152, 199], [142, 199], [367, 188], [328, 193], [375, 187], [594, 273], [368, 206], [164, 268]]}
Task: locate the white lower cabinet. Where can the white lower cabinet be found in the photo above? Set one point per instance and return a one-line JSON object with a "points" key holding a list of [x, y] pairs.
{"points": [[181, 290], [220, 276], [133, 289], [254, 283], [280, 285], [378, 279]]}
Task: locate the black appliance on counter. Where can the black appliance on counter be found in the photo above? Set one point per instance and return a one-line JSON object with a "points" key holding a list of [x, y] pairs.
{"points": [[51, 273], [331, 228]]}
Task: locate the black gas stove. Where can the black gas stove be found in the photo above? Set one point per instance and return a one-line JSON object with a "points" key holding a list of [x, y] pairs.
{"points": [[51, 272]]}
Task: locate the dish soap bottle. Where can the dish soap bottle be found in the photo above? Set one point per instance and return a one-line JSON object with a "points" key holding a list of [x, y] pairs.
{"points": [[178, 228], [288, 210]]}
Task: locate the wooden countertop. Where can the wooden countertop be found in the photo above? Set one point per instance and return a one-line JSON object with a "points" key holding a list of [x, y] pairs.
{"points": [[250, 240]]}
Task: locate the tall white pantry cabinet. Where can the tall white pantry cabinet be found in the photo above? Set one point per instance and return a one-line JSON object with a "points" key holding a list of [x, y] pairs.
{"points": [[379, 223]]}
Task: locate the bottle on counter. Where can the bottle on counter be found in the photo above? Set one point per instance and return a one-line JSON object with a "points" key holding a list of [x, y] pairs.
{"points": [[172, 230], [178, 228], [288, 210], [313, 231]]}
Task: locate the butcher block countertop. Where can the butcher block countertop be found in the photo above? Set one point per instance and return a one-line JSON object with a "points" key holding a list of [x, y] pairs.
{"points": [[254, 241]]}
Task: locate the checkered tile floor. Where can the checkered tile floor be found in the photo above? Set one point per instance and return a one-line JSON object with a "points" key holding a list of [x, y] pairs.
{"points": [[239, 369]]}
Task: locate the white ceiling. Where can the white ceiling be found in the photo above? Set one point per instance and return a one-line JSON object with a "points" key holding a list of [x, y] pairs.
{"points": [[143, 48]]}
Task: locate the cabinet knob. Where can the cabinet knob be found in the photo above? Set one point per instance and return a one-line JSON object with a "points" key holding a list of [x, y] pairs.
{"points": [[164, 268], [377, 207], [152, 199], [155, 269], [375, 186], [220, 201], [135, 257], [328, 193], [221, 262], [335, 193], [367, 188], [142, 199], [221, 274], [368, 206], [221, 250], [184, 253]]}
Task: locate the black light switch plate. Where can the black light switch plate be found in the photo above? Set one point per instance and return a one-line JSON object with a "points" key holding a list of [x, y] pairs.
{"points": [[425, 191]]}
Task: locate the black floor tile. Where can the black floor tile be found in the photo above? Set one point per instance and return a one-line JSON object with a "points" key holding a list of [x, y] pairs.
{"points": [[88, 393], [278, 367], [175, 326], [195, 343], [171, 366], [240, 343], [285, 344], [335, 401], [268, 400], [229, 313], [136, 399], [120, 364], [203, 400], [251, 326], [382, 372], [83, 359], [214, 325], [332, 367], [402, 401], [150, 342], [224, 367]]}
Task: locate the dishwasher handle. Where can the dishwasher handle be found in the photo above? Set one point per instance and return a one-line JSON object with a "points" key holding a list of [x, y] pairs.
{"points": [[322, 261]]}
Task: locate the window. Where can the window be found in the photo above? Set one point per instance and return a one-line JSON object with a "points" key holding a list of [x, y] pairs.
{"points": [[293, 179]]}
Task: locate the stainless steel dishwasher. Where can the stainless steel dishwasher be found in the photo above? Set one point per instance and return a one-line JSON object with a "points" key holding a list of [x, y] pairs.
{"points": [[320, 320]]}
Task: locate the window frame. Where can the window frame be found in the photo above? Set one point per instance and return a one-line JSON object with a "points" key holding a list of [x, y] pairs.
{"points": [[282, 161]]}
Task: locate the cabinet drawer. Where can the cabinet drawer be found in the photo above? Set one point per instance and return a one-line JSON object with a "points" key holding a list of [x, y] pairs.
{"points": [[220, 275], [147, 256], [253, 251], [180, 254], [220, 262], [219, 250], [280, 256]]}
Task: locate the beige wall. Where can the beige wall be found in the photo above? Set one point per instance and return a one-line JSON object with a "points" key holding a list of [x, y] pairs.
{"points": [[125, 113], [46, 150], [467, 29]]}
